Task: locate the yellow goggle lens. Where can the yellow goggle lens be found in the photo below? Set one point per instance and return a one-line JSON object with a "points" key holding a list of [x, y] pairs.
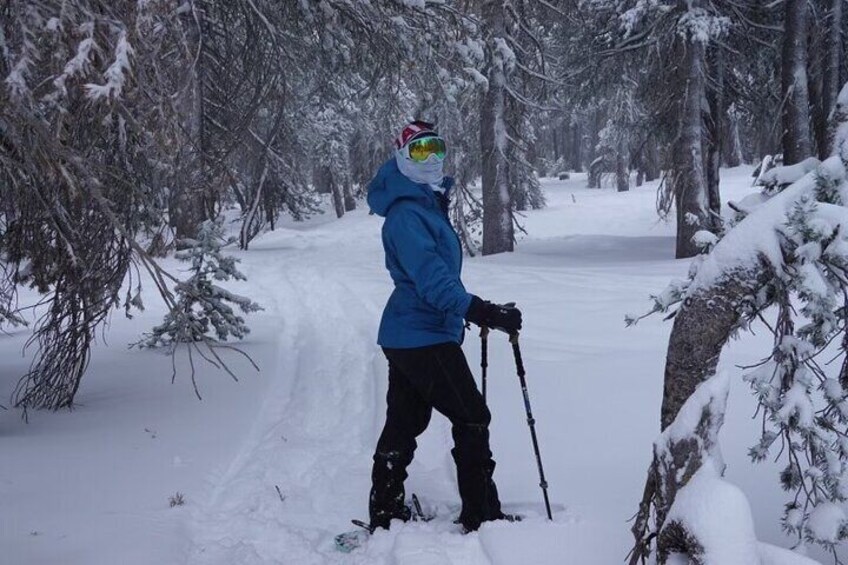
{"points": [[421, 149]]}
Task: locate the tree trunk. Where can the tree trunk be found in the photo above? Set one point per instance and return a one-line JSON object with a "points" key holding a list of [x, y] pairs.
{"points": [[688, 178], [818, 115], [349, 200], [733, 142], [186, 199], [269, 206], [555, 138], [186, 211], [833, 61], [251, 224], [596, 169], [320, 180], [796, 111], [651, 161], [622, 169], [497, 205], [702, 327], [714, 130], [594, 121], [335, 189], [575, 145], [838, 134]]}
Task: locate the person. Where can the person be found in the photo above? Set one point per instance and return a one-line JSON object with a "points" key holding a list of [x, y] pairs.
{"points": [[421, 332]]}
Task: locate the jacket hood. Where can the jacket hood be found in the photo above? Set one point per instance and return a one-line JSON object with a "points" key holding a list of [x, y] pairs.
{"points": [[390, 185]]}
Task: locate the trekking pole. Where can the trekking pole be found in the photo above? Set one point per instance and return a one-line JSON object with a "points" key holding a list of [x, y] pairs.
{"points": [[484, 356], [519, 366]]}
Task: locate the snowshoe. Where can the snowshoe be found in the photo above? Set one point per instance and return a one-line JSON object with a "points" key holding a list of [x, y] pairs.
{"points": [[418, 514], [348, 541], [505, 517], [512, 517]]}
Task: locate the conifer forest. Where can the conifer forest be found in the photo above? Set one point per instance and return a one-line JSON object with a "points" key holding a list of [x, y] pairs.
{"points": [[205, 206]]}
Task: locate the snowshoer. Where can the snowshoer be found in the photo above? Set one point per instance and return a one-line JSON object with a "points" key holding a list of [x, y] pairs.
{"points": [[421, 331]]}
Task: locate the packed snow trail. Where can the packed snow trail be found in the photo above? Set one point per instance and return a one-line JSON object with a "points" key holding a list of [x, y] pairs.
{"points": [[316, 420]]}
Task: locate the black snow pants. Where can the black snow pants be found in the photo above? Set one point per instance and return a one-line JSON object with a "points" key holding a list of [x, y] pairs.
{"points": [[421, 379]]}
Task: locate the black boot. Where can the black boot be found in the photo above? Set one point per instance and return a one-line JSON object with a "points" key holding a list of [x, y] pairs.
{"points": [[386, 502], [475, 467]]}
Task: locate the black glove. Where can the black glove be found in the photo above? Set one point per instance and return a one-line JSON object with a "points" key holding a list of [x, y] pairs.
{"points": [[504, 317]]}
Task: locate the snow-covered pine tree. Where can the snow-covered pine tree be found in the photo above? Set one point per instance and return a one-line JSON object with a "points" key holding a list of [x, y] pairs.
{"points": [[513, 59], [789, 256], [77, 169], [204, 311]]}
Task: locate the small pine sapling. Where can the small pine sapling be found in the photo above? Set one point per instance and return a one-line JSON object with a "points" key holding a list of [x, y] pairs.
{"points": [[203, 312]]}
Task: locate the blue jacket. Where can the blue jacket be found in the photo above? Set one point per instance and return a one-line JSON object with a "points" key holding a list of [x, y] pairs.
{"points": [[424, 259]]}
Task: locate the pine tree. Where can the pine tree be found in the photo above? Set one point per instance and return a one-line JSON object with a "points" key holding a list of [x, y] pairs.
{"points": [[203, 309], [790, 252]]}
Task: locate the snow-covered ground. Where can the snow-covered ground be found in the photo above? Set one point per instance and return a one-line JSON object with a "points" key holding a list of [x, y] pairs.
{"points": [[273, 466]]}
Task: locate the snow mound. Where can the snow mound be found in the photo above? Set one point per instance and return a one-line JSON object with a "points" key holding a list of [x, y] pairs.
{"points": [[718, 513]]}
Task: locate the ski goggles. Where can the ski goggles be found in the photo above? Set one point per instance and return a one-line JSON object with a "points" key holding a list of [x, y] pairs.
{"points": [[419, 150]]}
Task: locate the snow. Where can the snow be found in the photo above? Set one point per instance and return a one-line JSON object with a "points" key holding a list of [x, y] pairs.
{"points": [[91, 486], [115, 74], [478, 77], [782, 176], [717, 512], [77, 65], [797, 404], [700, 25], [705, 239], [825, 521], [754, 238], [711, 393], [772, 555], [720, 515], [504, 53]]}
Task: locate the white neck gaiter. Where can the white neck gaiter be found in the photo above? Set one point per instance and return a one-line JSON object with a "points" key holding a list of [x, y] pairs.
{"points": [[430, 171]]}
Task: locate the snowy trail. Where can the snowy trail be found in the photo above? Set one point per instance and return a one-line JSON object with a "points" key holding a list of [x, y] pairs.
{"points": [[315, 422], [317, 425], [323, 409]]}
